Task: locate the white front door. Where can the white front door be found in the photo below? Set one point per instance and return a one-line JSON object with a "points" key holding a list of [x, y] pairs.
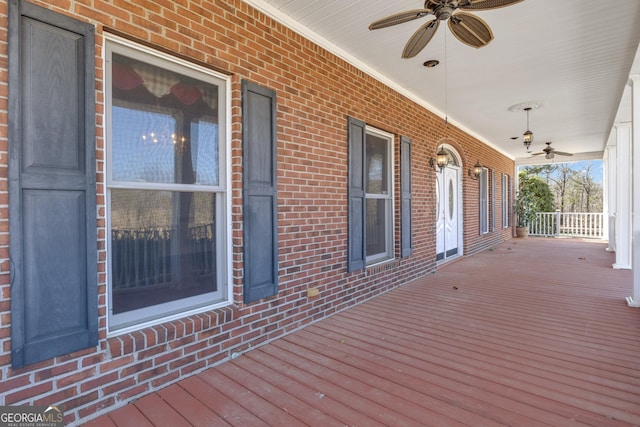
{"points": [[447, 221]]}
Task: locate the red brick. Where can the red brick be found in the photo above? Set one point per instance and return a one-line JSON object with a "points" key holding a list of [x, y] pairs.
{"points": [[172, 355], [138, 367], [152, 373], [135, 391], [165, 379], [95, 407], [27, 393], [57, 397], [14, 383], [54, 371], [117, 363], [75, 378], [83, 399], [115, 347], [99, 381], [145, 354], [118, 386], [185, 360], [92, 360]]}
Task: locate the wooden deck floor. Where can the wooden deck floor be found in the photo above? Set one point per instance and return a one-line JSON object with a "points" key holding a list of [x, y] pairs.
{"points": [[535, 332]]}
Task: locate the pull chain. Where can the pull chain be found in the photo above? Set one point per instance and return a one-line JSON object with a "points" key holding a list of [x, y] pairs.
{"points": [[446, 81]]}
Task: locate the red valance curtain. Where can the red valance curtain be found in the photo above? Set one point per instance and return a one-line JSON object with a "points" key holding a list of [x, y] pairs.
{"points": [[160, 83]]}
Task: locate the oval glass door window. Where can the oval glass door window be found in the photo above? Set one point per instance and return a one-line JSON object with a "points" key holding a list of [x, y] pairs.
{"points": [[450, 199]]}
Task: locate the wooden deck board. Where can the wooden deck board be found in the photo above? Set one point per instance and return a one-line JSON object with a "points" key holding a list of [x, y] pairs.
{"points": [[158, 411], [104, 421], [190, 407], [466, 362], [429, 401], [534, 332], [284, 376], [512, 357], [423, 382], [385, 396], [242, 374], [130, 415], [229, 410], [351, 393], [263, 409], [490, 357]]}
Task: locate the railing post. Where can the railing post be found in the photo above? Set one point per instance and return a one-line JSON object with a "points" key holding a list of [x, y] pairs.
{"points": [[557, 222]]}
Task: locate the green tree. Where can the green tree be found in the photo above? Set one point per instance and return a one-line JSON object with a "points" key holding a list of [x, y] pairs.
{"points": [[576, 185], [545, 171], [540, 190]]}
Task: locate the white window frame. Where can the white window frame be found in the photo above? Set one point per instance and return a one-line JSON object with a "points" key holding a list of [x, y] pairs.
{"points": [[144, 317], [389, 253]]}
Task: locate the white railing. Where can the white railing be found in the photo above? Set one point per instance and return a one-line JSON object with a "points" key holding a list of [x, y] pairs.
{"points": [[568, 224]]}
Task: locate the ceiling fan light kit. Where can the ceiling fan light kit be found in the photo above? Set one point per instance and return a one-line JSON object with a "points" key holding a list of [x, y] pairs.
{"points": [[466, 27], [527, 136], [550, 152]]}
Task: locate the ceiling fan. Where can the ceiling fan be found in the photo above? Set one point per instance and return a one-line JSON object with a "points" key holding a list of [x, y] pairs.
{"points": [[467, 28], [550, 152]]}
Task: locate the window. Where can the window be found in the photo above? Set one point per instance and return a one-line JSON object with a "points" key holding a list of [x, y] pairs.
{"points": [[406, 229], [370, 194], [379, 195], [484, 201], [492, 198], [166, 186], [505, 200]]}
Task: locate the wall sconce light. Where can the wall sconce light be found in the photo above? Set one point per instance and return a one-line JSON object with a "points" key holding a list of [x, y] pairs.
{"points": [[477, 170], [441, 161]]}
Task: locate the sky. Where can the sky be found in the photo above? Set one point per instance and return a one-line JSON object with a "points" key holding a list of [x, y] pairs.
{"points": [[597, 169]]}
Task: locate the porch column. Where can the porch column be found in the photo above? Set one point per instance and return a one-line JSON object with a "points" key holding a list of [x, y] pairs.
{"points": [[610, 199], [634, 300], [623, 202]]}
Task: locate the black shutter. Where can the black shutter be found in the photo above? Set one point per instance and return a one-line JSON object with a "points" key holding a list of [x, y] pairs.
{"points": [[405, 190], [483, 202], [260, 192], [356, 250], [52, 191]]}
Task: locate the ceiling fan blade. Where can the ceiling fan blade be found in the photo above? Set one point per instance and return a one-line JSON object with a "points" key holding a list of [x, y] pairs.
{"points": [[420, 38], [470, 29], [487, 4], [562, 153], [399, 18], [538, 154]]}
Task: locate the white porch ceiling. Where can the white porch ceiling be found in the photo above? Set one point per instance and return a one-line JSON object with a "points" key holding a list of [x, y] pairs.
{"points": [[574, 57]]}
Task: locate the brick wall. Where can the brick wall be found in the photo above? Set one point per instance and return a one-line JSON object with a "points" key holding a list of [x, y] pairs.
{"points": [[316, 92]]}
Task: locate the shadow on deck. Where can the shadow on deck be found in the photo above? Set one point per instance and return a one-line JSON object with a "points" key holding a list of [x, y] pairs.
{"points": [[533, 332]]}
